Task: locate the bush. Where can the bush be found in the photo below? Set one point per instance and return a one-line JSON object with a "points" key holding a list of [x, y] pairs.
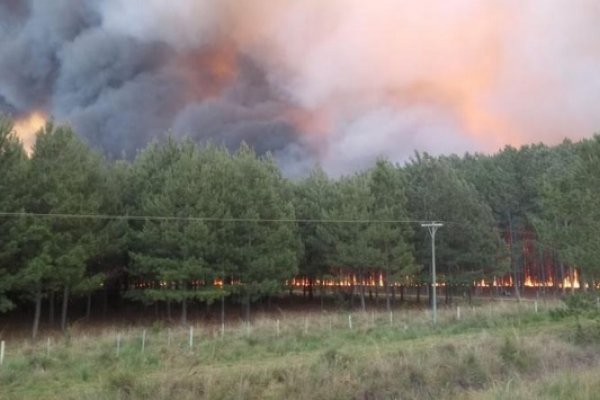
{"points": [[588, 334], [514, 357], [122, 382], [582, 303]]}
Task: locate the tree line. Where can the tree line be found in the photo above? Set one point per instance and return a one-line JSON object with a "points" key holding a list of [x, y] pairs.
{"points": [[181, 217]]}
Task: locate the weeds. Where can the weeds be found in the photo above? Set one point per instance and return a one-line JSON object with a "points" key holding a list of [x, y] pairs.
{"points": [[409, 359]]}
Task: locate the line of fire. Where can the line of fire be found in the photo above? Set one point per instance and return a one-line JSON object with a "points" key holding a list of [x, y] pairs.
{"points": [[539, 273]]}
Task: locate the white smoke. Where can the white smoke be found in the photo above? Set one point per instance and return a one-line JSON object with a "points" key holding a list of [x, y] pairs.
{"points": [[339, 81]]}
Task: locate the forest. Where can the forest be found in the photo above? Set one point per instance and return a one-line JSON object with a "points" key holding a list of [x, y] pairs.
{"points": [[184, 223]]}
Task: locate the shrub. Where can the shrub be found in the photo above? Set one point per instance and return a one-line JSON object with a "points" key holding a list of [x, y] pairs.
{"points": [[122, 382], [512, 356], [582, 303]]}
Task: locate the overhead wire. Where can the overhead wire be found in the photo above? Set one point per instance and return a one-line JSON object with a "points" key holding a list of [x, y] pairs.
{"points": [[206, 219]]}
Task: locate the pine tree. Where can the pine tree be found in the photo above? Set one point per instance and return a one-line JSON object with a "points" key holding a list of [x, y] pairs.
{"points": [[169, 251], [312, 203], [468, 247], [391, 241], [64, 179], [13, 169]]}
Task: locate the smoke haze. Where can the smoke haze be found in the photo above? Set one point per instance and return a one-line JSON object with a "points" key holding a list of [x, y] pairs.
{"points": [[339, 82]]}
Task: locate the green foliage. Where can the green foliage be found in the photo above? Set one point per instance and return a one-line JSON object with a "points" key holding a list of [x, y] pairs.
{"points": [[13, 169], [313, 200], [214, 214], [584, 303], [511, 354], [468, 247], [391, 242]]}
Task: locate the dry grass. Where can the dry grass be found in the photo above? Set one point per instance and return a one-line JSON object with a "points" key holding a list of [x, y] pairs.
{"points": [[491, 352]]}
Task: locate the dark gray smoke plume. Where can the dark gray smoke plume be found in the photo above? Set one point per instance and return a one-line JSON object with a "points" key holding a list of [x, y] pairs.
{"points": [[340, 82], [120, 91]]}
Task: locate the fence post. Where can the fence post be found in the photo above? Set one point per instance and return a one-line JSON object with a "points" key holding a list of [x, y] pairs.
{"points": [[48, 347], [350, 321], [118, 343], [191, 336], [2, 345], [143, 340], [535, 305], [169, 337], [278, 328], [458, 313], [391, 318]]}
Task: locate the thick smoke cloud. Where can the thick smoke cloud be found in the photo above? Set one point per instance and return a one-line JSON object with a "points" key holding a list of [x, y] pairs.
{"points": [[340, 82]]}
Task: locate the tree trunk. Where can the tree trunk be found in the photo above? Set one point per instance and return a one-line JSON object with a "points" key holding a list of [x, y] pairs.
{"points": [[310, 289], [386, 287], [184, 312], [429, 294], [402, 294], [169, 310], [36, 316], [513, 263], [51, 308], [363, 306], [418, 294], [222, 310], [105, 302], [247, 308], [65, 305], [447, 287], [321, 290], [543, 271], [88, 306]]}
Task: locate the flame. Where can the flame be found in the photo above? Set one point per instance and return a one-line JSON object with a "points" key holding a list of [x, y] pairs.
{"points": [[346, 279], [572, 280], [218, 282], [27, 127]]}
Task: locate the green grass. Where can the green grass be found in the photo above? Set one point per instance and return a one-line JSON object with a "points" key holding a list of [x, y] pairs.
{"points": [[498, 351]]}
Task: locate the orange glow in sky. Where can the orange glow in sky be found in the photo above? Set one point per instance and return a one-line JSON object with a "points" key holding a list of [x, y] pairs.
{"points": [[27, 127]]}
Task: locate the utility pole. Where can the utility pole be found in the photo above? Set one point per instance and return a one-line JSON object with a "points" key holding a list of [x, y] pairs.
{"points": [[432, 227]]}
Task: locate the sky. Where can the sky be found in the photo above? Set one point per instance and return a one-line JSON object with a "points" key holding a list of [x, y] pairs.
{"points": [[337, 82]]}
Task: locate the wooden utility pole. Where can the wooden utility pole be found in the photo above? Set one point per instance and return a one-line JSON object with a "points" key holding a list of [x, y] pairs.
{"points": [[432, 227]]}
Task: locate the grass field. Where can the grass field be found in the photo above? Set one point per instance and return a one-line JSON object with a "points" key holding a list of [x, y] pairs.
{"points": [[502, 350]]}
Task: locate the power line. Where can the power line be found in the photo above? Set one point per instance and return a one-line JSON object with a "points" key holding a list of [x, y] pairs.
{"points": [[200, 219], [463, 225]]}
